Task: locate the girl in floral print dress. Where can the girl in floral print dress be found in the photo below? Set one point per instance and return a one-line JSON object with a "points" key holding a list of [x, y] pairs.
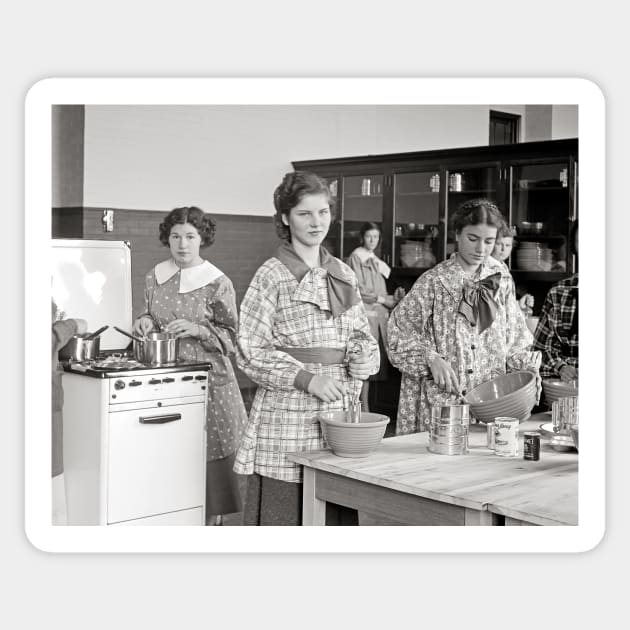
{"points": [[301, 315], [192, 298], [460, 325]]}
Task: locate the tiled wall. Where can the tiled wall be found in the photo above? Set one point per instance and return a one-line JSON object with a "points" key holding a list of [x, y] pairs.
{"points": [[241, 245]]}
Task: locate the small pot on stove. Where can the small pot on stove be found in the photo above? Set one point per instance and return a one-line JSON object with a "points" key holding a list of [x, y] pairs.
{"points": [[157, 348], [79, 348]]}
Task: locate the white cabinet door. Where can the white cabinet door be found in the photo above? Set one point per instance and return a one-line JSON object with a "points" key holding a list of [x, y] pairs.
{"points": [[156, 461]]}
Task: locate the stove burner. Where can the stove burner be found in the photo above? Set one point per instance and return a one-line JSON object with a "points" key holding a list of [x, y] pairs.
{"points": [[118, 362]]}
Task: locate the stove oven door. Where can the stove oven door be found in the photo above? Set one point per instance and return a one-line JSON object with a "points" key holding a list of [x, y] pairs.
{"points": [[156, 461]]}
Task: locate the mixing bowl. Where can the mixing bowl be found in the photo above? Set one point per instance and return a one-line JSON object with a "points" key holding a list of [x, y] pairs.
{"points": [[555, 389], [353, 439], [512, 395]]}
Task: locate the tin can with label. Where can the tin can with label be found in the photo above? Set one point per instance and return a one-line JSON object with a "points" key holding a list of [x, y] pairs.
{"points": [[490, 429], [506, 437], [531, 445]]}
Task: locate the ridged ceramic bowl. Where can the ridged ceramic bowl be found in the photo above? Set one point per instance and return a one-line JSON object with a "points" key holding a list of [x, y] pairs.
{"points": [[555, 388], [353, 439], [511, 395]]}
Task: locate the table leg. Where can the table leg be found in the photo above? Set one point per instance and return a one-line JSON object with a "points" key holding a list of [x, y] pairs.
{"points": [[478, 517], [313, 509]]}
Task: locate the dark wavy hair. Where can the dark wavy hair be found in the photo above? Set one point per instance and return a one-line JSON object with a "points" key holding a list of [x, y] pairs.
{"points": [[477, 212], [195, 216], [293, 187], [366, 227]]}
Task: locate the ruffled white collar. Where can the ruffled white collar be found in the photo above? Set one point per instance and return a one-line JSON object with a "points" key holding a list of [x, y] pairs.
{"points": [[364, 255], [191, 278]]}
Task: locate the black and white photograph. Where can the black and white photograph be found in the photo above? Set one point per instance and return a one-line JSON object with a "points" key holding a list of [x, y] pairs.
{"points": [[310, 314]]}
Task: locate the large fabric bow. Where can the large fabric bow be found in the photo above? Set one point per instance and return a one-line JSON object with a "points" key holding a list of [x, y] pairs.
{"points": [[477, 304], [341, 293]]}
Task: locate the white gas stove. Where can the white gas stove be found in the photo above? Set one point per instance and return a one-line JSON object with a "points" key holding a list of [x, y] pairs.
{"points": [[135, 443]]}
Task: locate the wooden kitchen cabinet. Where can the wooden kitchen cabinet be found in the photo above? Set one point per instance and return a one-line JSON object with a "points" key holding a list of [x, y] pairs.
{"points": [[412, 196]]}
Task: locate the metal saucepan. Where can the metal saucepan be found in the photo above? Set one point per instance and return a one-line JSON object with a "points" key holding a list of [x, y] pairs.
{"points": [[79, 348], [155, 348]]}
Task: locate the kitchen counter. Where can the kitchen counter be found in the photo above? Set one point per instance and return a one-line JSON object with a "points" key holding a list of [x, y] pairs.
{"points": [[403, 481]]}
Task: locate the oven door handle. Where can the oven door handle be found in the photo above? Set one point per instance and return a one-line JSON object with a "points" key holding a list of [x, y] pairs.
{"points": [[160, 419]]}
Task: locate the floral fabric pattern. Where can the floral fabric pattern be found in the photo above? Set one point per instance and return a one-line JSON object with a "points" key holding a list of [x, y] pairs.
{"points": [[426, 324]]}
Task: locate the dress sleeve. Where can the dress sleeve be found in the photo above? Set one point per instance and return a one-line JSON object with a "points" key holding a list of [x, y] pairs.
{"points": [[519, 354], [62, 332], [361, 334], [255, 352], [217, 332], [367, 295], [410, 340], [546, 338]]}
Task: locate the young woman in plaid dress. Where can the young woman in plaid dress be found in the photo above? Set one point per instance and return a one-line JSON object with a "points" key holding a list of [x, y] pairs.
{"points": [[556, 335], [301, 315]]}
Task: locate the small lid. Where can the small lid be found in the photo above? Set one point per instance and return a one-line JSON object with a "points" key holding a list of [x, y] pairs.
{"points": [[531, 433]]}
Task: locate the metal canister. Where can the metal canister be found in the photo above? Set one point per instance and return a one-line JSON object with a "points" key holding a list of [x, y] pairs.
{"points": [[455, 182], [531, 445], [506, 437], [490, 429]]}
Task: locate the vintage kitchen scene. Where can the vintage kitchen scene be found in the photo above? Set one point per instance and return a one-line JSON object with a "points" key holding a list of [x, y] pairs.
{"points": [[315, 315]]}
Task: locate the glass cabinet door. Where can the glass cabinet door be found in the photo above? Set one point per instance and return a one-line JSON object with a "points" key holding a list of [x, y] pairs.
{"points": [[362, 202], [541, 215], [470, 183], [332, 242], [416, 219]]}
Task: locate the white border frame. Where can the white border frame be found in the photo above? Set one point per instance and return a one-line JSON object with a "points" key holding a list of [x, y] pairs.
{"points": [[464, 91]]}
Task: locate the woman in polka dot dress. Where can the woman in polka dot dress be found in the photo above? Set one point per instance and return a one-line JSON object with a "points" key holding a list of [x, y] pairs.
{"points": [[192, 298]]}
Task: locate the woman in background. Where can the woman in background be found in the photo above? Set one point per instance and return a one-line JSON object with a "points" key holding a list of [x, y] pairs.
{"points": [[371, 274], [305, 340], [190, 297], [460, 324]]}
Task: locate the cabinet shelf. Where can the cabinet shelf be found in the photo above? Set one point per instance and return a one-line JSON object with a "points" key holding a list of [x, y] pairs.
{"points": [[360, 196], [472, 191], [540, 276], [426, 193]]}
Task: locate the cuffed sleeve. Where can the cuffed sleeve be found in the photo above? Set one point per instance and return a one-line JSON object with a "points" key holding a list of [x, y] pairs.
{"points": [[303, 380]]}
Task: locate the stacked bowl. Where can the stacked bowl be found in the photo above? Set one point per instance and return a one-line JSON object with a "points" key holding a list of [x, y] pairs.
{"points": [[512, 395], [555, 389], [534, 256], [352, 439]]}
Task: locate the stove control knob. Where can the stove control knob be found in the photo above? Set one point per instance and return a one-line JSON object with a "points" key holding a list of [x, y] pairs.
{"points": [[168, 380], [135, 383], [201, 378], [155, 381], [187, 378], [119, 385]]}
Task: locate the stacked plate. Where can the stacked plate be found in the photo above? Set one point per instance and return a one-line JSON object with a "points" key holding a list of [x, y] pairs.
{"points": [[534, 256]]}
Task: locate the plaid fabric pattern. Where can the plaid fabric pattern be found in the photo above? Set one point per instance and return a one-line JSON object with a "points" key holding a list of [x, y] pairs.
{"points": [[277, 311], [554, 337]]}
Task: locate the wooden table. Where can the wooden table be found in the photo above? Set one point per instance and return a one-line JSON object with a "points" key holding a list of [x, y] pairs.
{"points": [[404, 482]]}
